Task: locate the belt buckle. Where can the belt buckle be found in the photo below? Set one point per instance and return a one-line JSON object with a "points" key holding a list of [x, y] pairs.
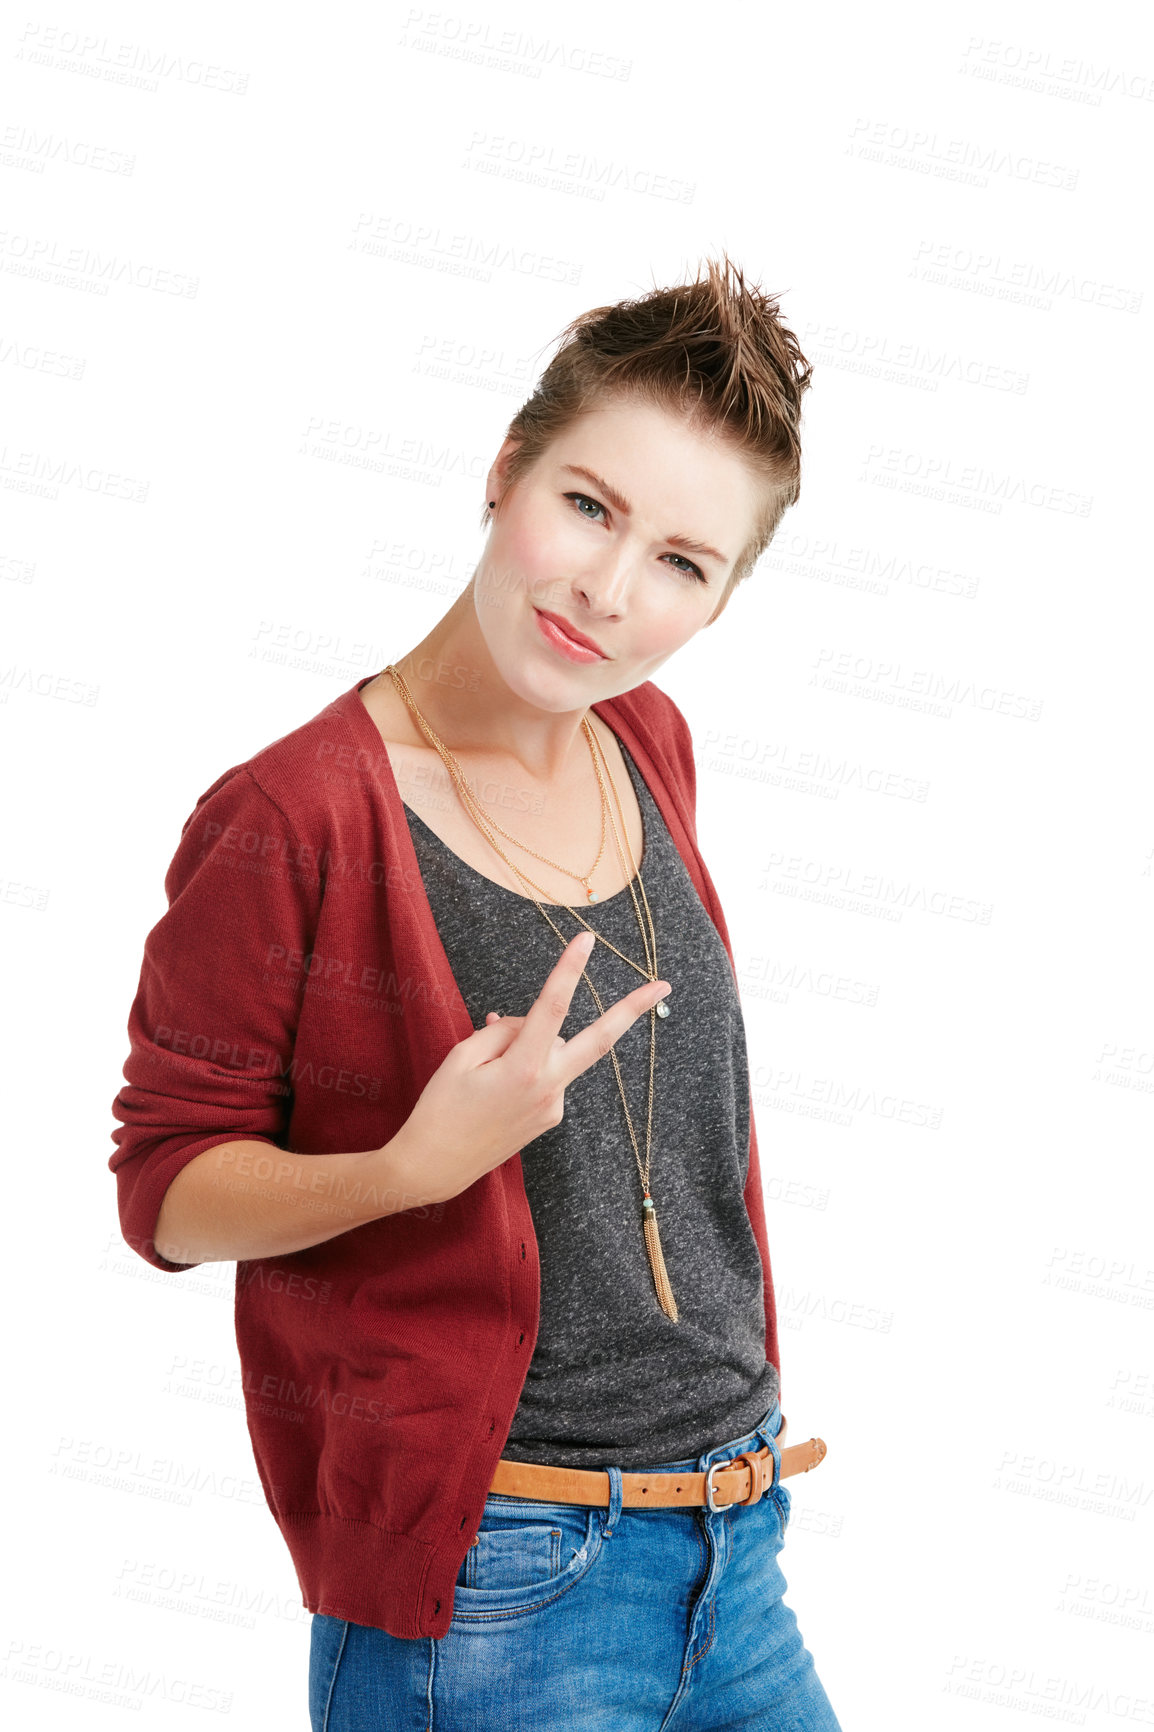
{"points": [[755, 1477], [714, 1508]]}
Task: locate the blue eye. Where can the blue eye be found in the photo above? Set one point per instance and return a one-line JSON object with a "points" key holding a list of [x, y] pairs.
{"points": [[586, 499], [687, 566]]}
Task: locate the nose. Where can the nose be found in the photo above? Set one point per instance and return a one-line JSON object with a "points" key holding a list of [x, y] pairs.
{"points": [[604, 582]]}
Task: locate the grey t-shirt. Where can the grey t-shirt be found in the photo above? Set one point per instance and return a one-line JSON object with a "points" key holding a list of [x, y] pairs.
{"points": [[612, 1379]]}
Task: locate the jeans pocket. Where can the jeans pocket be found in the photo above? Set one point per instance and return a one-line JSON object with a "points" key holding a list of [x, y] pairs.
{"points": [[526, 1553], [327, 1640]]}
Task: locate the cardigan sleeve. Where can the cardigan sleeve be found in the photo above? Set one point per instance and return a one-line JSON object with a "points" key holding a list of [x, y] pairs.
{"points": [[213, 1024]]}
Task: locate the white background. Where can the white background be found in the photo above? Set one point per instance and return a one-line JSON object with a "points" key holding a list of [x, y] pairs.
{"points": [[237, 246]]}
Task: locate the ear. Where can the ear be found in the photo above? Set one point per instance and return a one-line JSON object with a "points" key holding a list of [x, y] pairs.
{"points": [[496, 481]]}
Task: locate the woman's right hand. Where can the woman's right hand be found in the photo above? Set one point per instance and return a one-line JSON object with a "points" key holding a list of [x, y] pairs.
{"points": [[505, 1083]]}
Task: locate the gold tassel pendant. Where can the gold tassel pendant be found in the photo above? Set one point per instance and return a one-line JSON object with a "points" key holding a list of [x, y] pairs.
{"points": [[656, 1261]]}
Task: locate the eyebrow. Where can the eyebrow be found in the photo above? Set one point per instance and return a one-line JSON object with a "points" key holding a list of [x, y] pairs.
{"points": [[619, 501]]}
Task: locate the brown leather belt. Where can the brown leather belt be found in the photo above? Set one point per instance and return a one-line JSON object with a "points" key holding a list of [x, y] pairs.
{"points": [[742, 1479]]}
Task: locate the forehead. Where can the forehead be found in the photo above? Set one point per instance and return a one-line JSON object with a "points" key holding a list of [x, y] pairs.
{"points": [[660, 456]]}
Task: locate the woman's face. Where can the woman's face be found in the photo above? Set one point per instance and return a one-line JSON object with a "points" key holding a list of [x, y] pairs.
{"points": [[626, 529]]}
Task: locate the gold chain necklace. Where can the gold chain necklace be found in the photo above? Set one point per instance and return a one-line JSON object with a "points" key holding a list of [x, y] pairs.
{"points": [[484, 823], [649, 1227], [467, 794]]}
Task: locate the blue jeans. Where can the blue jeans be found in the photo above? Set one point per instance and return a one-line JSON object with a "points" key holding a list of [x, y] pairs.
{"points": [[570, 1617]]}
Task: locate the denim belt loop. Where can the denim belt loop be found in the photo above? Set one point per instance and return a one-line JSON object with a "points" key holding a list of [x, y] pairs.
{"points": [[616, 1502], [774, 1447], [775, 1451]]}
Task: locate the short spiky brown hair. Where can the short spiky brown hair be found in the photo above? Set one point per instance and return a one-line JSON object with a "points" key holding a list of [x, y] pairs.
{"points": [[714, 349]]}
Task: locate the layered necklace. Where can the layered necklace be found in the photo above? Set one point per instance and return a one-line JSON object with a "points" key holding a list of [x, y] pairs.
{"points": [[490, 830]]}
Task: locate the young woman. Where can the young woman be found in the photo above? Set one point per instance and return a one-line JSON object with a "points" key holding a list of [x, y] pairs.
{"points": [[510, 1366]]}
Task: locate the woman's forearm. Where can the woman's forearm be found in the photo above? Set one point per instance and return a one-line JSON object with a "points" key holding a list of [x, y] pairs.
{"points": [[242, 1199]]}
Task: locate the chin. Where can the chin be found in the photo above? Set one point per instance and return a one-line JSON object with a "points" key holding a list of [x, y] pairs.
{"points": [[552, 692]]}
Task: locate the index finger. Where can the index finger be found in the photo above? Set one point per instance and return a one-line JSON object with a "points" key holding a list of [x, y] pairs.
{"points": [[549, 1009], [594, 1040]]}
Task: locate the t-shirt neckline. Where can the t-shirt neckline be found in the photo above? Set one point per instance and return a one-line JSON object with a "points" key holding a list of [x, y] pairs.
{"points": [[352, 698]]}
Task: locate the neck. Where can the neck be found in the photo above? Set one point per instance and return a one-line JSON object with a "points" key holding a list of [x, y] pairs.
{"points": [[458, 688]]}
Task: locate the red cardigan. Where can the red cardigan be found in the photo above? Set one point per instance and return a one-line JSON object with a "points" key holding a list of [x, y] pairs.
{"points": [[297, 993]]}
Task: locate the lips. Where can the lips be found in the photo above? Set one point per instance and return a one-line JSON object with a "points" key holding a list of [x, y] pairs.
{"points": [[571, 630]]}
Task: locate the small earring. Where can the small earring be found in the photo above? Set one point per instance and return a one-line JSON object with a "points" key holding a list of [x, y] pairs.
{"points": [[492, 502]]}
